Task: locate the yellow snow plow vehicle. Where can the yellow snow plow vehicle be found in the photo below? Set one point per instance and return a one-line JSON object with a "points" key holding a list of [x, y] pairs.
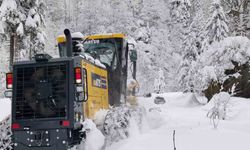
{"points": [[53, 96]]}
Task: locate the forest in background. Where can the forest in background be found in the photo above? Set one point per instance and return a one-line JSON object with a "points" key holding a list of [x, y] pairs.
{"points": [[183, 45]]}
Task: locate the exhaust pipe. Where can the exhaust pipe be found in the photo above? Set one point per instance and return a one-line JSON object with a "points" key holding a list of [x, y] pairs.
{"points": [[68, 42]]}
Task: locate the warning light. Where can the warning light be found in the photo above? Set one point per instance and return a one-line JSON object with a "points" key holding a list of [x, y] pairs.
{"points": [[9, 80], [78, 75]]}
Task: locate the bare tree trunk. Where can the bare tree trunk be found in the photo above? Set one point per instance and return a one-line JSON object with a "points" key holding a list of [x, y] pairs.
{"points": [[12, 49]]}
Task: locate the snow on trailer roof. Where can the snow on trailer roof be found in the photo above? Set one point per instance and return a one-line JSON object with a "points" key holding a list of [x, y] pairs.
{"points": [[61, 38]]}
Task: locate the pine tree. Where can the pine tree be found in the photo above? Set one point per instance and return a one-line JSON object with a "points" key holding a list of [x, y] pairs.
{"points": [[23, 23], [180, 21], [189, 54], [9, 21], [159, 84], [180, 12], [30, 30], [217, 28], [237, 14]]}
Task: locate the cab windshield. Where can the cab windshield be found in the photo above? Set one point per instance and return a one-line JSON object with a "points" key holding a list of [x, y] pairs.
{"points": [[105, 50]]}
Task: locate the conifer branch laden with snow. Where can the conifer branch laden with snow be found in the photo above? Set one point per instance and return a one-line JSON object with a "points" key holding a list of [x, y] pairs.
{"points": [[217, 28], [189, 55], [237, 13], [180, 21], [23, 20], [213, 64], [180, 11]]}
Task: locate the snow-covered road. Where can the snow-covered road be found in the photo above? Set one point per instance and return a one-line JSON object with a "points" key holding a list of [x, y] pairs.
{"points": [[194, 130], [181, 112]]}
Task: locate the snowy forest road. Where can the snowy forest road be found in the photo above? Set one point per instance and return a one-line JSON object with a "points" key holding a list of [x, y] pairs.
{"points": [[194, 131], [182, 113]]}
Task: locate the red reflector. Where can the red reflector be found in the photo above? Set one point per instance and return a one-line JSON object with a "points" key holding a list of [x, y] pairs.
{"points": [[78, 75], [65, 123], [9, 80], [15, 126]]}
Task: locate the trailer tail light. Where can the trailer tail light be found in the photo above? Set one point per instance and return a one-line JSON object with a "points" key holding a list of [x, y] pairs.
{"points": [[65, 123], [78, 75], [15, 126], [9, 80]]}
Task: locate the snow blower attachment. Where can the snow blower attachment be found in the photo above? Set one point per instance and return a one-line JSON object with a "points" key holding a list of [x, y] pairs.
{"points": [[51, 97]]}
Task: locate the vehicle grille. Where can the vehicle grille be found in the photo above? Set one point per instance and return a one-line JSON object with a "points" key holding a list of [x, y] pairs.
{"points": [[41, 91]]}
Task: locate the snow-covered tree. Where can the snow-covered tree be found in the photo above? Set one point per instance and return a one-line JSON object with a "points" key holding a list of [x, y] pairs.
{"points": [[237, 13], [179, 22], [21, 32], [229, 55], [180, 11], [22, 22], [9, 21], [191, 46], [30, 30], [217, 28], [158, 37], [159, 84], [5, 134], [189, 54]]}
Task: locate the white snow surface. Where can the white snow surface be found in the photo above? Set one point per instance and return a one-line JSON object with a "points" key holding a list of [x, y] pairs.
{"points": [[95, 138], [183, 113], [194, 131], [5, 108]]}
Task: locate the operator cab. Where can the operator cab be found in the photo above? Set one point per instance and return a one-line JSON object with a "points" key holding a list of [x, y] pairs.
{"points": [[102, 47], [111, 50]]}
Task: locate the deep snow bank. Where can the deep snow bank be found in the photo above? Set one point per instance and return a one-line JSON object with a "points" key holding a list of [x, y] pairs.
{"points": [[5, 108], [194, 130]]}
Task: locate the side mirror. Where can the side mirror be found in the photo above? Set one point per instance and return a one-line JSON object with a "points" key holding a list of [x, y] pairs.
{"points": [[133, 52], [8, 94], [133, 55]]}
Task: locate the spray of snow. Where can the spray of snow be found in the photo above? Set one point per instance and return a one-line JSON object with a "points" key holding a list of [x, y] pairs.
{"points": [[95, 139], [133, 128], [155, 118], [100, 117]]}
